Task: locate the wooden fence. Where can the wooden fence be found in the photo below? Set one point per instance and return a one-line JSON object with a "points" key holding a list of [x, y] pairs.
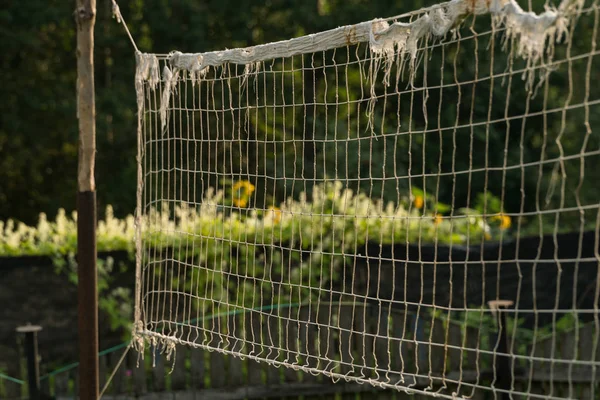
{"points": [[429, 354]]}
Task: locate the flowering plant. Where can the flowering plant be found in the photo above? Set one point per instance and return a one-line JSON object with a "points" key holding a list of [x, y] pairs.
{"points": [[308, 241]]}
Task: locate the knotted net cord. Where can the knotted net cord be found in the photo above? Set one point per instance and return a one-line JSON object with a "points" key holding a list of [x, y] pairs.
{"points": [[328, 197]]}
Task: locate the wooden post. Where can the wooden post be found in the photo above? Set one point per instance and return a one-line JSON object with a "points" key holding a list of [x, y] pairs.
{"points": [[33, 362], [85, 15]]}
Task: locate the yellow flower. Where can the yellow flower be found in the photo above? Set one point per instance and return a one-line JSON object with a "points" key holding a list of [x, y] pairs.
{"points": [[437, 219], [504, 219], [276, 213], [242, 190], [240, 202], [419, 202], [244, 187]]}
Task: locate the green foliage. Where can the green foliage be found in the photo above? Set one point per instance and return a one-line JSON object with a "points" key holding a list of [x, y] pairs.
{"points": [[38, 128], [114, 302], [335, 217], [58, 240], [225, 238]]}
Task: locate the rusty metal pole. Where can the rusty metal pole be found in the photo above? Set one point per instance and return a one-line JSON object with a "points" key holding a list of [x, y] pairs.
{"points": [[85, 16]]}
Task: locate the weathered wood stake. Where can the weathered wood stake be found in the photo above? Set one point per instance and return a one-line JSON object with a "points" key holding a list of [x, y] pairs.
{"points": [[33, 362], [85, 16]]}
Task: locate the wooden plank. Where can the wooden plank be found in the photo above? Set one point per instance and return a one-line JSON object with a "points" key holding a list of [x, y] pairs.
{"points": [[456, 334], [120, 380], [566, 351], [563, 378], [389, 394], [235, 372], [273, 376], [545, 351], [412, 349], [272, 339], [308, 336], [462, 361], [422, 347], [585, 392], [44, 386], [254, 342], [102, 370], [588, 337], [158, 370], [561, 375], [198, 374], [478, 394], [346, 352], [217, 369], [326, 337], [290, 332], [349, 396], [44, 383], [289, 391], [184, 395], [364, 342], [470, 342], [148, 396], [61, 385], [420, 350], [382, 344], [235, 375], [479, 361], [559, 389], [432, 363], [566, 346], [402, 348], [75, 380], [328, 396], [12, 389], [138, 373], [179, 373], [216, 359]]}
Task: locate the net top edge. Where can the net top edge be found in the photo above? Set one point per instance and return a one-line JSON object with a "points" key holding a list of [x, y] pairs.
{"points": [[436, 21]]}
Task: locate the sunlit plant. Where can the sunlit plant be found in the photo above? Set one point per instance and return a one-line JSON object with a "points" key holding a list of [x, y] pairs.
{"points": [[223, 232]]}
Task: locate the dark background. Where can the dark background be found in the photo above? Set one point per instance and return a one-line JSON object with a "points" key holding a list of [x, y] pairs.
{"points": [[38, 127]]}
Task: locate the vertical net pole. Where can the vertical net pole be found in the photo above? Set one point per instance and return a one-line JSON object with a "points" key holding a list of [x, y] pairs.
{"points": [[85, 15]]}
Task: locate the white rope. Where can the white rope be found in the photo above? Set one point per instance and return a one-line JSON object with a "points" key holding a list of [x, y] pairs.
{"points": [[113, 373], [117, 14], [532, 31]]}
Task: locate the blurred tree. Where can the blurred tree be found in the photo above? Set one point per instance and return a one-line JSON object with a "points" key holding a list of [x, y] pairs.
{"points": [[38, 146], [38, 130], [38, 134]]}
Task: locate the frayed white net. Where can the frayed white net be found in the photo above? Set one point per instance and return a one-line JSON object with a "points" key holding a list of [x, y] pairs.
{"points": [[408, 202]]}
